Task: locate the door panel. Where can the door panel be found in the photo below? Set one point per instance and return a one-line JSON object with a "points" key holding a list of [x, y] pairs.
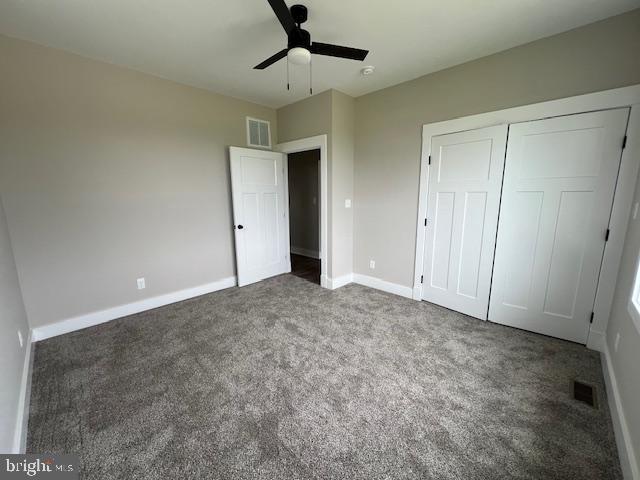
{"points": [[464, 161], [471, 245], [272, 215], [259, 205], [462, 210], [567, 254], [522, 248], [559, 181], [251, 237], [442, 239]]}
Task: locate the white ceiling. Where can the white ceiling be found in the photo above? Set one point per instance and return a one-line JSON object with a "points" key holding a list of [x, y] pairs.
{"points": [[214, 43]]}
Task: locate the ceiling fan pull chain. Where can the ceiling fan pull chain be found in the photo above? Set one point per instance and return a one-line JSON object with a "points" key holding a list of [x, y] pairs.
{"points": [[287, 73], [310, 77]]}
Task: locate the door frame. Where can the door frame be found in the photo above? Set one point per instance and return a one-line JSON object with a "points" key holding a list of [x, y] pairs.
{"points": [[623, 196], [301, 145]]}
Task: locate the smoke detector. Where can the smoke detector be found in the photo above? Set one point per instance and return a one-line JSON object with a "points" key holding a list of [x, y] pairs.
{"points": [[368, 70]]}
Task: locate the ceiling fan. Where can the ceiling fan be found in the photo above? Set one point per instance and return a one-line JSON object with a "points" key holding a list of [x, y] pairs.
{"points": [[299, 44]]}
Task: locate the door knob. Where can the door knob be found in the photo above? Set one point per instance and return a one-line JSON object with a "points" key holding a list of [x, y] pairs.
{"points": [[240, 227]]}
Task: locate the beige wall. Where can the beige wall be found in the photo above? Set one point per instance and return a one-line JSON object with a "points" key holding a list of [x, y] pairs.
{"points": [[600, 56], [304, 200], [306, 118], [626, 360], [109, 175], [341, 173], [331, 113], [12, 319]]}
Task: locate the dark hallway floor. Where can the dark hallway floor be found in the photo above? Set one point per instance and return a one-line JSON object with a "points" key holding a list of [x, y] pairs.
{"points": [[306, 267]]}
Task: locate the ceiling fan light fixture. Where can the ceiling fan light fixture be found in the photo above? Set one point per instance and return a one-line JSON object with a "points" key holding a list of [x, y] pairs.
{"points": [[299, 56]]}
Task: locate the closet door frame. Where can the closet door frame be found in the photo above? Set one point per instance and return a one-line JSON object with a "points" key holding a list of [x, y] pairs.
{"points": [[623, 197]]}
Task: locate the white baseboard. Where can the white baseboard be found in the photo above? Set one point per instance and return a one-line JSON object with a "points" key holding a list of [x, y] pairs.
{"points": [[22, 419], [102, 316], [305, 252], [596, 341], [383, 285], [333, 283], [628, 460]]}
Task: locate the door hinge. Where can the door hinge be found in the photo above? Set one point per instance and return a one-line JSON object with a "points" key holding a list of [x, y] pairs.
{"points": [[421, 278], [606, 235], [624, 142], [429, 159], [591, 319]]}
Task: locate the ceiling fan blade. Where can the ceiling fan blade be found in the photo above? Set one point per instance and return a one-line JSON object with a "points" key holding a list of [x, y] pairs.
{"points": [[338, 51], [284, 15], [271, 60]]}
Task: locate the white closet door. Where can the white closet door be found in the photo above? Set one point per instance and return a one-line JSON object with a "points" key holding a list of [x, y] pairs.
{"points": [[462, 211], [260, 214], [559, 182]]}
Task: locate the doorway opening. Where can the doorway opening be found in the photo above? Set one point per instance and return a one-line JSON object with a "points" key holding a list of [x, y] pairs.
{"points": [[303, 179], [318, 143]]}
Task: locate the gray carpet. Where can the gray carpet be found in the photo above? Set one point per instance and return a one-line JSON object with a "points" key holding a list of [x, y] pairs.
{"points": [[286, 380]]}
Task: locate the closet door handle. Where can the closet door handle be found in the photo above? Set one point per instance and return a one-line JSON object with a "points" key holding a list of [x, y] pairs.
{"points": [[240, 227]]}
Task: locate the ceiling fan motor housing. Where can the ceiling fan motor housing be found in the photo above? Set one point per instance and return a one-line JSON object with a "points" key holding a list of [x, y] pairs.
{"points": [[299, 38], [299, 13]]}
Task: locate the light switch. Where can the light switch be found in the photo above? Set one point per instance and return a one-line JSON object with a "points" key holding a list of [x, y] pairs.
{"points": [[347, 203]]}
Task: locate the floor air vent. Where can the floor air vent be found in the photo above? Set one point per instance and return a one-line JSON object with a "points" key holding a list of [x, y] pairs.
{"points": [[585, 393]]}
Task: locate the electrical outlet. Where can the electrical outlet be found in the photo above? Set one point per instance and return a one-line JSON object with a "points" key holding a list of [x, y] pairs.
{"points": [[372, 264], [20, 339], [141, 283], [617, 342]]}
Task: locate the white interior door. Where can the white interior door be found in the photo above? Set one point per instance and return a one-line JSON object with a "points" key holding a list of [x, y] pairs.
{"points": [[559, 182], [260, 215], [465, 177]]}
